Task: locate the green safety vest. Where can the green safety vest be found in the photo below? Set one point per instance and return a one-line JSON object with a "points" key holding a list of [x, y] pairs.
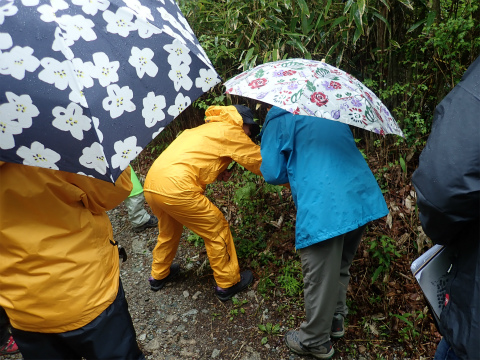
{"points": [[137, 186]]}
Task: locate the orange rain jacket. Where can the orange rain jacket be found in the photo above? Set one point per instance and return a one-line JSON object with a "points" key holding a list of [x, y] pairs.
{"points": [[175, 184], [186, 167], [58, 268]]}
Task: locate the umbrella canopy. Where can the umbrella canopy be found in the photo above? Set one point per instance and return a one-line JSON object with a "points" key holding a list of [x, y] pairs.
{"points": [[85, 85], [315, 88]]}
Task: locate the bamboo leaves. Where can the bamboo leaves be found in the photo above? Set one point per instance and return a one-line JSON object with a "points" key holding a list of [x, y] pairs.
{"points": [[393, 43]]}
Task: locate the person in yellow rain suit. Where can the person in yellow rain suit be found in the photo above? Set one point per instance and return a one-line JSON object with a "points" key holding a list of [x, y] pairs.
{"points": [[59, 265], [174, 189]]}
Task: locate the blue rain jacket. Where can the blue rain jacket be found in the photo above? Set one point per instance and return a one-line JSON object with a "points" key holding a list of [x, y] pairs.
{"points": [[332, 186]]}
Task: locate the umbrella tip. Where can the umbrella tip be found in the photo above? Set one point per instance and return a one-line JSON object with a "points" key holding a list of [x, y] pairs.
{"points": [[323, 60]]}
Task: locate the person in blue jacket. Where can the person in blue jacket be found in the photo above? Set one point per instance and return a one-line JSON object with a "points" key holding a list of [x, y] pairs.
{"points": [[335, 195]]}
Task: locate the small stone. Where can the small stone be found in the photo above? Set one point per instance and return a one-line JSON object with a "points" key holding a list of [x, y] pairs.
{"points": [[215, 353], [187, 342], [191, 312], [171, 318], [142, 337], [138, 246], [153, 345], [186, 294], [187, 354]]}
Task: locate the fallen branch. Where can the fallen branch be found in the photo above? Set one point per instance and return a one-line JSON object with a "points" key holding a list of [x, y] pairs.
{"points": [[405, 276], [364, 340], [238, 353]]}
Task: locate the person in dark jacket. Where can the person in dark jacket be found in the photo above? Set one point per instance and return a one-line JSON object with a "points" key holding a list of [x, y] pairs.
{"points": [[447, 182]]}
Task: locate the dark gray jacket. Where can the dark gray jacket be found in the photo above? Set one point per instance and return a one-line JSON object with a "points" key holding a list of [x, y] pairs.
{"points": [[447, 182]]}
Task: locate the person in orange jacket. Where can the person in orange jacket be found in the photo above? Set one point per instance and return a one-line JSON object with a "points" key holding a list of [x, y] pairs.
{"points": [[175, 185], [59, 265]]}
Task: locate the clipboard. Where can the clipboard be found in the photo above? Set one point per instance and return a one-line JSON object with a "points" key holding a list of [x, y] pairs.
{"points": [[432, 270]]}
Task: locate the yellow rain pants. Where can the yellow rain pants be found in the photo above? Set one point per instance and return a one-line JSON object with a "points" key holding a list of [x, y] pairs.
{"points": [[175, 184], [202, 217]]}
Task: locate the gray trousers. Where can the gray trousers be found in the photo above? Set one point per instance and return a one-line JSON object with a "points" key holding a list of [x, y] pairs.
{"points": [[137, 215], [326, 274]]}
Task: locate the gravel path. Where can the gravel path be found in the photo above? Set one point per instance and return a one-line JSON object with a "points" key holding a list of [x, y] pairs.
{"points": [[185, 320]]}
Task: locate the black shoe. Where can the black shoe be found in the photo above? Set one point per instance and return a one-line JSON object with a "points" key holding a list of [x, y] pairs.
{"points": [[152, 222], [338, 327], [156, 285], [246, 278]]}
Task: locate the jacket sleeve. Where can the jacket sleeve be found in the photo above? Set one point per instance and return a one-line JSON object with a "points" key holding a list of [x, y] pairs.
{"points": [[99, 196], [274, 170], [447, 180], [244, 151]]}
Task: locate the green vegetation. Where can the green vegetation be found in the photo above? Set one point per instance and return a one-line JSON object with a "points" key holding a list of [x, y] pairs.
{"points": [[195, 240], [269, 329], [237, 308], [383, 250], [291, 279], [410, 53]]}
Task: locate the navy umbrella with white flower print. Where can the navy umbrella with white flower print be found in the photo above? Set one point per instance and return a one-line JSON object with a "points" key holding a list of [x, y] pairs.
{"points": [[85, 85], [315, 88]]}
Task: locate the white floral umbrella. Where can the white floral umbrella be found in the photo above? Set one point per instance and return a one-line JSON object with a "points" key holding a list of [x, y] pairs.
{"points": [[315, 88], [85, 85]]}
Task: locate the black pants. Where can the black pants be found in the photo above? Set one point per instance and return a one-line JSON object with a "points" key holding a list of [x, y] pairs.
{"points": [[110, 336], [4, 324]]}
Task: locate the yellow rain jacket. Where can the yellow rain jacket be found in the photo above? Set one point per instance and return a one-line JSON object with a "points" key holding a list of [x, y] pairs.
{"points": [[199, 155], [175, 184], [58, 268]]}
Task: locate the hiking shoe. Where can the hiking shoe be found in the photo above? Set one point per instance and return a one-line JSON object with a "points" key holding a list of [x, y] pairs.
{"points": [[156, 285], [324, 351], [246, 278], [10, 347], [338, 327], [152, 222]]}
